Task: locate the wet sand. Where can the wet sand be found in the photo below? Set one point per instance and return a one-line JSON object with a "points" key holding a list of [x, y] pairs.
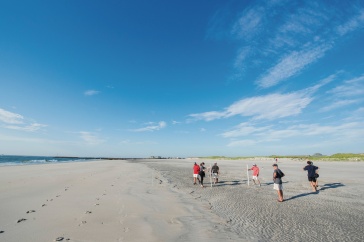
{"points": [[155, 200]]}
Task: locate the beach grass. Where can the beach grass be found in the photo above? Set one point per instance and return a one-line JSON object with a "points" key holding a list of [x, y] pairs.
{"points": [[316, 157]]}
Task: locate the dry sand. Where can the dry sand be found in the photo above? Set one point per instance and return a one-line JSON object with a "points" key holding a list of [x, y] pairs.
{"points": [[155, 200]]}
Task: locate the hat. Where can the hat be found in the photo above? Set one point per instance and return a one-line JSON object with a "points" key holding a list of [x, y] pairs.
{"points": [[275, 165], [254, 164]]}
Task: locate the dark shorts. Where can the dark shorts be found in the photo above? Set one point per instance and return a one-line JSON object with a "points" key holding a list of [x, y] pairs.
{"points": [[311, 179]]}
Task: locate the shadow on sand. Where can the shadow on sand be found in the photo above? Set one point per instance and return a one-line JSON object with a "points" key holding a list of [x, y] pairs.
{"points": [[331, 185], [323, 187], [228, 183], [271, 183]]}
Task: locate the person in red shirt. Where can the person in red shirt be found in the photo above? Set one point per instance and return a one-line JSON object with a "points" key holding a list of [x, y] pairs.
{"points": [[196, 170], [255, 170]]}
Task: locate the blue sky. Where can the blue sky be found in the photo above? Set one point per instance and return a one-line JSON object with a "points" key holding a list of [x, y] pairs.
{"points": [[181, 78]]}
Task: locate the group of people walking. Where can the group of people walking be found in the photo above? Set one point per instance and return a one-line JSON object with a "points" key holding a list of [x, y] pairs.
{"points": [[199, 172], [312, 174]]}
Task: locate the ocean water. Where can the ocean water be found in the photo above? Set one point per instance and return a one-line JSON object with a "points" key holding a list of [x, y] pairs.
{"points": [[6, 160]]}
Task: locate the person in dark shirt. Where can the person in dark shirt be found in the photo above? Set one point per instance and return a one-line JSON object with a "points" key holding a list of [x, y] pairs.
{"points": [[215, 171], [202, 172], [311, 174], [277, 179]]}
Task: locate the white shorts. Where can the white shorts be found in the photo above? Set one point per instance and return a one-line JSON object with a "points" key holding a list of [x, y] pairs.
{"points": [[195, 175], [255, 177], [277, 187], [215, 175]]}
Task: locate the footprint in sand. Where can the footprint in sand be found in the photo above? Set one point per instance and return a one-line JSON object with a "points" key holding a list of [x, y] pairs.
{"points": [[21, 220], [126, 230], [82, 223], [97, 204], [2, 231], [31, 211], [61, 239], [88, 212], [44, 205]]}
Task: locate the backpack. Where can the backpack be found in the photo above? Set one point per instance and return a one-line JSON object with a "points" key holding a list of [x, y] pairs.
{"points": [[280, 173]]}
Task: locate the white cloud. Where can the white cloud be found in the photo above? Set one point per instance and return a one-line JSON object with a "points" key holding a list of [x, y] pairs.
{"points": [[30, 128], [241, 57], [16, 121], [268, 134], [10, 118], [349, 88], [90, 138], [152, 127], [338, 104], [348, 92], [357, 115], [352, 24], [244, 129], [91, 92], [269, 107], [208, 116], [291, 41], [291, 65], [248, 24], [175, 122]]}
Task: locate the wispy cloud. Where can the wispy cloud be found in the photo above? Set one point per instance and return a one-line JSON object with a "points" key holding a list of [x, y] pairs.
{"points": [[29, 128], [175, 122], [347, 93], [350, 88], [16, 121], [152, 127], [352, 24], [267, 134], [91, 92], [90, 138], [338, 104], [285, 46], [10, 118], [291, 65], [249, 23], [244, 129], [267, 107]]}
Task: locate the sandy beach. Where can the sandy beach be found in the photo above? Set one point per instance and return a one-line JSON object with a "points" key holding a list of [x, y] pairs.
{"points": [[155, 200]]}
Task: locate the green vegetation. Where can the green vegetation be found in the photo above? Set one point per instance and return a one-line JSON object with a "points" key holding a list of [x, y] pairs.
{"points": [[316, 157], [225, 158]]}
